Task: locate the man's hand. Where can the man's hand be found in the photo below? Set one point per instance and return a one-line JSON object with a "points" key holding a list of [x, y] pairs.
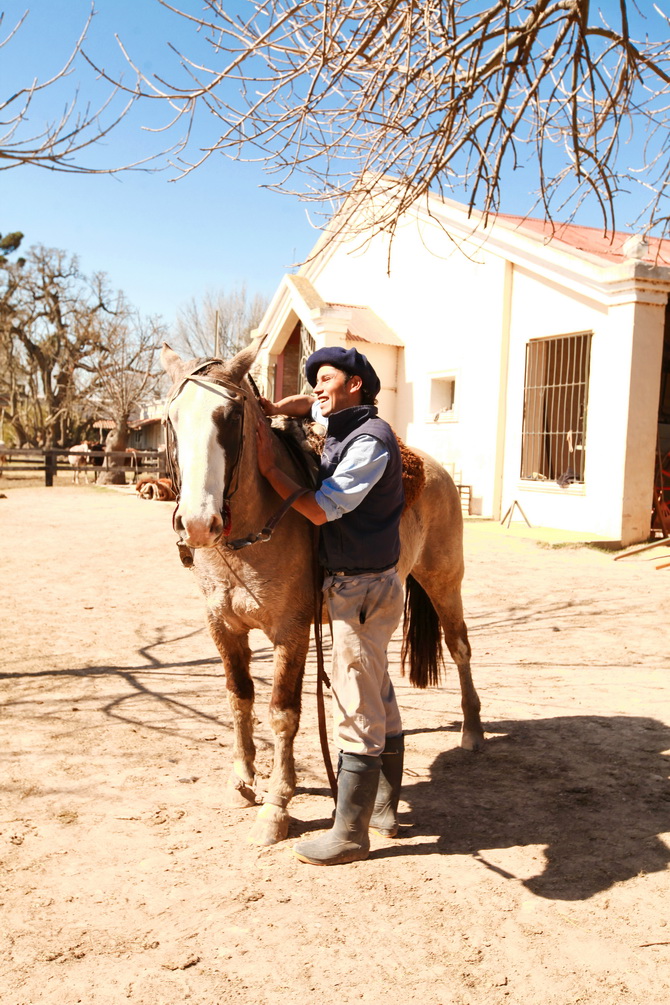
{"points": [[282, 483], [268, 406], [264, 448]]}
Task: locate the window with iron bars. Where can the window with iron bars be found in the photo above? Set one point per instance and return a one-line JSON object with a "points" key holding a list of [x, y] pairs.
{"points": [[307, 347], [554, 415]]}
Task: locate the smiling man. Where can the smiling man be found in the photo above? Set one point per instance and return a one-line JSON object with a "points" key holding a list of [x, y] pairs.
{"points": [[358, 505]]}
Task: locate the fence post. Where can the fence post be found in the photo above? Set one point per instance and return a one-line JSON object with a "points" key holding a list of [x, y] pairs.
{"points": [[50, 467]]}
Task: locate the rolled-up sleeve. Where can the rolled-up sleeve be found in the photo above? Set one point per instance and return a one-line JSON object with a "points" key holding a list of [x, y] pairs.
{"points": [[361, 467]]}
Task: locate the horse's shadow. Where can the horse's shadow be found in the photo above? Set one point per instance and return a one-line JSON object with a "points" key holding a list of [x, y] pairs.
{"points": [[592, 789]]}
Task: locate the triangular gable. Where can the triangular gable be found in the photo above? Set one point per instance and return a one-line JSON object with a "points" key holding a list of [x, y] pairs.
{"points": [[296, 297]]}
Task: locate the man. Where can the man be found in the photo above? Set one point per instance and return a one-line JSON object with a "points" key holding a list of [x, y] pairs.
{"points": [[358, 506]]}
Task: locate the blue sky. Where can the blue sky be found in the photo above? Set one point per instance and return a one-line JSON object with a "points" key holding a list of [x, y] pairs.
{"points": [[161, 241]]}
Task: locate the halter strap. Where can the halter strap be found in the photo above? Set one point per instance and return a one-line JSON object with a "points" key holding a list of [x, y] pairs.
{"points": [[234, 392], [192, 374]]}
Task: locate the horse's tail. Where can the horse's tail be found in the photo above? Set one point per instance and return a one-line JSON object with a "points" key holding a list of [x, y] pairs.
{"points": [[421, 637]]}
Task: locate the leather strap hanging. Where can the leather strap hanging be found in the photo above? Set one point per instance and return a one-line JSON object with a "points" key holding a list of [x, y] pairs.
{"points": [[266, 533], [321, 675]]}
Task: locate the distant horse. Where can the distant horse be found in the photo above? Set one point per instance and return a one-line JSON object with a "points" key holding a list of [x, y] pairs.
{"points": [[211, 418], [97, 457], [78, 458]]}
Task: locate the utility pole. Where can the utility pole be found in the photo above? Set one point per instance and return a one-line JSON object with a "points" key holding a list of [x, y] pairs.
{"points": [[216, 335]]}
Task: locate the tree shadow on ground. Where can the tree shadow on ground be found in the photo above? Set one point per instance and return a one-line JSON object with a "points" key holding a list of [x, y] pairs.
{"points": [[144, 680], [593, 789]]}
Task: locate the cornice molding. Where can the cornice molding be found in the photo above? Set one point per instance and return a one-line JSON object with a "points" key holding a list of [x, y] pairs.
{"points": [[587, 275]]}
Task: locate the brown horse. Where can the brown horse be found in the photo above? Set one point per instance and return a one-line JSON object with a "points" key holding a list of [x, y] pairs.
{"points": [[211, 418]]}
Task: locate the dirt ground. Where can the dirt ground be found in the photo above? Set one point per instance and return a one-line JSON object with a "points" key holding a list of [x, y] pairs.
{"points": [[534, 873]]}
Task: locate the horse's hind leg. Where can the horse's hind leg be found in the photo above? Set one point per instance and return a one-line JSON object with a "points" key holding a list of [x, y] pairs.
{"points": [[449, 608], [272, 821], [235, 655]]}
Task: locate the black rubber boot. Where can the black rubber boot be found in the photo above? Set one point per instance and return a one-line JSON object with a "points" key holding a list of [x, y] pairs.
{"points": [[348, 840], [385, 814]]}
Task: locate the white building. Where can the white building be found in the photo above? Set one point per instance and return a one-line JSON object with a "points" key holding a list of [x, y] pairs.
{"points": [[530, 368]]}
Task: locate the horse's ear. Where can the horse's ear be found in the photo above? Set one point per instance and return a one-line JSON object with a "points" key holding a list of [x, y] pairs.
{"points": [[171, 361], [239, 365]]}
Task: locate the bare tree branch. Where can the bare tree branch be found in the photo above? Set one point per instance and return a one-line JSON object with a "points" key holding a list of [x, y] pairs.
{"points": [[438, 94], [232, 314], [59, 143]]}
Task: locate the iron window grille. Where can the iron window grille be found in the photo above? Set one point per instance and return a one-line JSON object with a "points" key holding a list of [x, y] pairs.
{"points": [[307, 347], [556, 385]]}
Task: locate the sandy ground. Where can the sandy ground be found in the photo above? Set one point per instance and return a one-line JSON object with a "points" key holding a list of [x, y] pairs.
{"points": [[534, 873]]}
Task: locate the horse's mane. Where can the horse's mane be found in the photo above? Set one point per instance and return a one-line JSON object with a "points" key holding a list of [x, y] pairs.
{"points": [[297, 437]]}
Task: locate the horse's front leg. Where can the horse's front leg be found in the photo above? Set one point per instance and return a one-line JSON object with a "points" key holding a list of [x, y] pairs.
{"points": [[289, 662], [235, 655]]}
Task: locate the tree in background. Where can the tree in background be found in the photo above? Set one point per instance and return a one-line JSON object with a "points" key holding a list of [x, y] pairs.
{"points": [[70, 350], [445, 95], [236, 313], [128, 376], [8, 385], [8, 245], [50, 333]]}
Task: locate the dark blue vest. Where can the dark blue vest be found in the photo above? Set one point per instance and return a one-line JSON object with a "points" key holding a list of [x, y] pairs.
{"points": [[368, 538]]}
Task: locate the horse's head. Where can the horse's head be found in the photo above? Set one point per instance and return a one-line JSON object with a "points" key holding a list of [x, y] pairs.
{"points": [[206, 436]]}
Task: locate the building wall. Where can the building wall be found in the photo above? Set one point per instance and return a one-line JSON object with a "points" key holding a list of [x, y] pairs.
{"points": [[639, 450], [447, 308], [466, 313], [542, 310], [148, 437], [615, 499]]}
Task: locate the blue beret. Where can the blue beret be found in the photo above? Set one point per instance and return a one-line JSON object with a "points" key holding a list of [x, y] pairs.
{"points": [[350, 360]]}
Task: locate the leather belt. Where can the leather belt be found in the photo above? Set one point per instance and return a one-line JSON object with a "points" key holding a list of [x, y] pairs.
{"points": [[357, 572]]}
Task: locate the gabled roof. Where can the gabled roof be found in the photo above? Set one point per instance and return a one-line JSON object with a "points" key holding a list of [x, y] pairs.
{"points": [[363, 325], [614, 247], [141, 423], [609, 269], [297, 297]]}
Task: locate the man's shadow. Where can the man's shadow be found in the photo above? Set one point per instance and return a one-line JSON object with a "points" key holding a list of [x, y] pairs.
{"points": [[593, 789]]}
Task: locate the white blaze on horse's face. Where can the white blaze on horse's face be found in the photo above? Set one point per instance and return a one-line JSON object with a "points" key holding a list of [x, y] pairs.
{"points": [[205, 420]]}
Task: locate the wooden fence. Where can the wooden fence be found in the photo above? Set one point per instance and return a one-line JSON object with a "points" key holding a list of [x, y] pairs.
{"points": [[55, 461]]}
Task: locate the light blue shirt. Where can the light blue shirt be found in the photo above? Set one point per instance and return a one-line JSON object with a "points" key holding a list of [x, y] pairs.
{"points": [[360, 467]]}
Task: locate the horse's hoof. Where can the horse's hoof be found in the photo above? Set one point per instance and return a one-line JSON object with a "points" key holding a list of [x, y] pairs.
{"points": [[472, 740], [239, 794], [271, 826]]}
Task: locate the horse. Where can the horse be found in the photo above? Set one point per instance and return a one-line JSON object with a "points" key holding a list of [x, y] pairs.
{"points": [[211, 418], [97, 457], [78, 458]]}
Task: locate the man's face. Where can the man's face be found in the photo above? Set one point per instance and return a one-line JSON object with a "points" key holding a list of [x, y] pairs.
{"points": [[336, 390]]}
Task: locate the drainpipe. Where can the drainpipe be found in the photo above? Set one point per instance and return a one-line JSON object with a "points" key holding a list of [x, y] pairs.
{"points": [[501, 425]]}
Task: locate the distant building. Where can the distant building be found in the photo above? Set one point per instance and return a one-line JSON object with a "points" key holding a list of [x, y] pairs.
{"points": [[528, 362], [146, 429]]}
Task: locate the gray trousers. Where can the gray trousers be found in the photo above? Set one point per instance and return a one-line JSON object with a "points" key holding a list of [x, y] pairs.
{"points": [[364, 612]]}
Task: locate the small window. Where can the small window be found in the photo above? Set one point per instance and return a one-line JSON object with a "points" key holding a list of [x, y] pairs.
{"points": [[442, 398], [554, 416]]}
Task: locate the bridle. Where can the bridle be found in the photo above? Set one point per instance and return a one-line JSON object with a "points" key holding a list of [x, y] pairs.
{"points": [[235, 393]]}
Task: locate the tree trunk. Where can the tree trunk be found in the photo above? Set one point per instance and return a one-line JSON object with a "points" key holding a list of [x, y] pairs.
{"points": [[114, 471]]}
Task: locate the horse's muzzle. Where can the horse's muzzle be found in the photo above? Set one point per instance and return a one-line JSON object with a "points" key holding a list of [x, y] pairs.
{"points": [[199, 533]]}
